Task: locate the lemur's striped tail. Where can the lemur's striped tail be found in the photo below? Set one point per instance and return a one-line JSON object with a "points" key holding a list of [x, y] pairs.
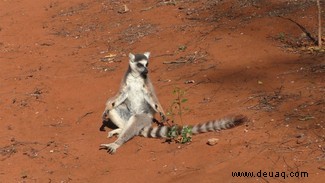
{"points": [[214, 125]]}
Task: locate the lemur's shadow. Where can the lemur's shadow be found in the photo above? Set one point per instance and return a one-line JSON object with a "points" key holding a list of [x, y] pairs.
{"points": [[108, 124], [111, 125]]}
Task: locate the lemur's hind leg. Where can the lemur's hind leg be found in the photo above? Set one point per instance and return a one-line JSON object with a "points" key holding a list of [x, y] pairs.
{"points": [[119, 116], [132, 128]]}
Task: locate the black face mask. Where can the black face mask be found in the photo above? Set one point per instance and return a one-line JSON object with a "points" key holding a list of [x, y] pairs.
{"points": [[144, 73]]}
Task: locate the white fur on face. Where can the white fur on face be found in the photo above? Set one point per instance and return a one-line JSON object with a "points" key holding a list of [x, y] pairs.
{"points": [[143, 62]]}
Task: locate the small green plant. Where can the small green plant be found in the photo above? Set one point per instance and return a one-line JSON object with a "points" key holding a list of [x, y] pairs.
{"points": [[176, 107], [186, 134], [180, 136], [182, 48], [183, 135], [173, 133]]}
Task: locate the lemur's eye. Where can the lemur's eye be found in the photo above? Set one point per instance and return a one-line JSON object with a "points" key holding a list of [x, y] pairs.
{"points": [[146, 64], [139, 65]]}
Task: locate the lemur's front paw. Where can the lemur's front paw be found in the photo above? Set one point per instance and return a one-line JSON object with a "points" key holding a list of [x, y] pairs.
{"points": [[111, 148], [163, 117], [114, 132]]}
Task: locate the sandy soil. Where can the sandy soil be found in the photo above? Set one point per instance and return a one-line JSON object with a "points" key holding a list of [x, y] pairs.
{"points": [[56, 75]]}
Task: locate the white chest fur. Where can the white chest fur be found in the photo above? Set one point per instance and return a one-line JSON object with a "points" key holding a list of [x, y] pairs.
{"points": [[136, 101]]}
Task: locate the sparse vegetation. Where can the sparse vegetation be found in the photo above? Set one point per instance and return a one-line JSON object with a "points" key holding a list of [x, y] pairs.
{"points": [[178, 133], [306, 42], [58, 68], [176, 107]]}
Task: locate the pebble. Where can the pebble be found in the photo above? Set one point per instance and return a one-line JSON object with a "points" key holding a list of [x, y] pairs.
{"points": [[213, 141]]}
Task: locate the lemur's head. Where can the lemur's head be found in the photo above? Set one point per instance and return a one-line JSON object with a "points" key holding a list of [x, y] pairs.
{"points": [[139, 64]]}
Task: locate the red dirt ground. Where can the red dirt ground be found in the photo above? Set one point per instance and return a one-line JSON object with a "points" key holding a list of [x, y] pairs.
{"points": [[242, 57]]}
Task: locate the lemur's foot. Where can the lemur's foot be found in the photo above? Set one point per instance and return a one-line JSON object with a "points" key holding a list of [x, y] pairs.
{"points": [[114, 132], [111, 148]]}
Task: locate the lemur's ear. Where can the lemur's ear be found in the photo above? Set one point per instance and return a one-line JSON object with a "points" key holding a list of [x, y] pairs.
{"points": [[147, 54], [132, 57]]}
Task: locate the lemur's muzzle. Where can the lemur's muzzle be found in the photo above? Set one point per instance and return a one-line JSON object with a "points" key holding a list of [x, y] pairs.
{"points": [[145, 71]]}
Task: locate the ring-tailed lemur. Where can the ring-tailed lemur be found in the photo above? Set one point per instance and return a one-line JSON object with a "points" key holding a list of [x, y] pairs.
{"points": [[133, 108]]}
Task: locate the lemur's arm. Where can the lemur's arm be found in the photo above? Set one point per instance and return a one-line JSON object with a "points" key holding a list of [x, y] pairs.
{"points": [[115, 101], [118, 99], [153, 101]]}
